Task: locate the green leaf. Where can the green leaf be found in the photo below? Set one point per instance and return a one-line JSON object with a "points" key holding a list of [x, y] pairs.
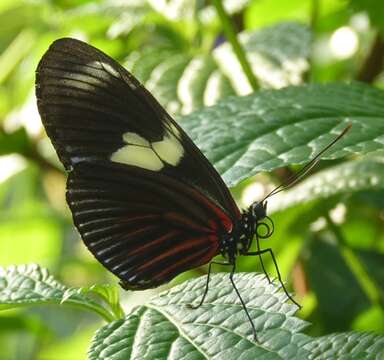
{"points": [[373, 265], [167, 328], [128, 15], [217, 87], [278, 56], [208, 14], [242, 136], [174, 9], [142, 63], [183, 84], [374, 9], [334, 284], [15, 53], [27, 285], [347, 346], [15, 142], [108, 293], [351, 176], [267, 12], [163, 81]]}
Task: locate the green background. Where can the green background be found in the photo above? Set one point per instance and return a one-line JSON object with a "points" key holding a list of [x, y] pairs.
{"points": [[329, 245]]}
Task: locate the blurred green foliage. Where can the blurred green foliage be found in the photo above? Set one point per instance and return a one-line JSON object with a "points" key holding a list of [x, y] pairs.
{"points": [[333, 248]]}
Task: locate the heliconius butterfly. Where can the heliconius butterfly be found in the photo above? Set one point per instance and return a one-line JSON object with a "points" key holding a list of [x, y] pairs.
{"points": [[146, 201]]}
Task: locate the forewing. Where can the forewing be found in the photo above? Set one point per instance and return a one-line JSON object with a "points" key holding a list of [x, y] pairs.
{"points": [[145, 230], [94, 110]]}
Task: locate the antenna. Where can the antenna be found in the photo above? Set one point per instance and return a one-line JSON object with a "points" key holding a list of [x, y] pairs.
{"points": [[294, 178]]}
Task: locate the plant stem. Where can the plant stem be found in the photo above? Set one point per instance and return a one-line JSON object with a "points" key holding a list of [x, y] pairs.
{"points": [[373, 64], [313, 18], [315, 8], [231, 35]]}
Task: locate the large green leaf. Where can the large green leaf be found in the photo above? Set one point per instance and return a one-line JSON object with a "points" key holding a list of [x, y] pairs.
{"points": [[351, 176], [346, 346], [167, 328], [27, 285], [242, 136]]}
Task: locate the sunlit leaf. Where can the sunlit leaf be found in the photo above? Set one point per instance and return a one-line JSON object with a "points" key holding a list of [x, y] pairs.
{"points": [[15, 52], [267, 12], [142, 63], [278, 56], [163, 81], [218, 87], [193, 83], [208, 14], [175, 9]]}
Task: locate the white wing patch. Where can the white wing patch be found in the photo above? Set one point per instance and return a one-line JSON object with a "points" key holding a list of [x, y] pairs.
{"points": [[134, 139], [151, 156], [140, 156]]}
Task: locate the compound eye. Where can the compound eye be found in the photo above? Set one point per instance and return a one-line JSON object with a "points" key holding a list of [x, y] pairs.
{"points": [[259, 210]]}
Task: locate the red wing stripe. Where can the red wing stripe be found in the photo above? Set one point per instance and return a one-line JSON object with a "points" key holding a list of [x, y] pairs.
{"points": [[191, 243], [155, 242], [181, 221], [138, 256], [128, 220], [187, 262], [107, 244]]}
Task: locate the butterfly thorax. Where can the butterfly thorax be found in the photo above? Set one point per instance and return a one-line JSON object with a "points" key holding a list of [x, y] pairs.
{"points": [[239, 240]]}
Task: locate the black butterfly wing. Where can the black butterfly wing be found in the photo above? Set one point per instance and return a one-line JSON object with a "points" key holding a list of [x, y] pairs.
{"points": [[145, 230], [145, 200], [93, 108]]}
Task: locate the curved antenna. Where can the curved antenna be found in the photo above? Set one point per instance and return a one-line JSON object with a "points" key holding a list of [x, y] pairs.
{"points": [[294, 178]]}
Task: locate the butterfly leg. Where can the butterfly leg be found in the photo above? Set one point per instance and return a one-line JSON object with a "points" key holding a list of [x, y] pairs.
{"points": [[259, 253], [242, 302], [207, 283], [261, 258]]}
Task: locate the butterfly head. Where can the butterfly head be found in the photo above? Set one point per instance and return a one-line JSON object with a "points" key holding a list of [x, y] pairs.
{"points": [[258, 210], [263, 224]]}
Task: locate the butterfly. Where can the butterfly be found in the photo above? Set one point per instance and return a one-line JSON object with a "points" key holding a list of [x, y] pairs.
{"points": [[145, 200]]}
